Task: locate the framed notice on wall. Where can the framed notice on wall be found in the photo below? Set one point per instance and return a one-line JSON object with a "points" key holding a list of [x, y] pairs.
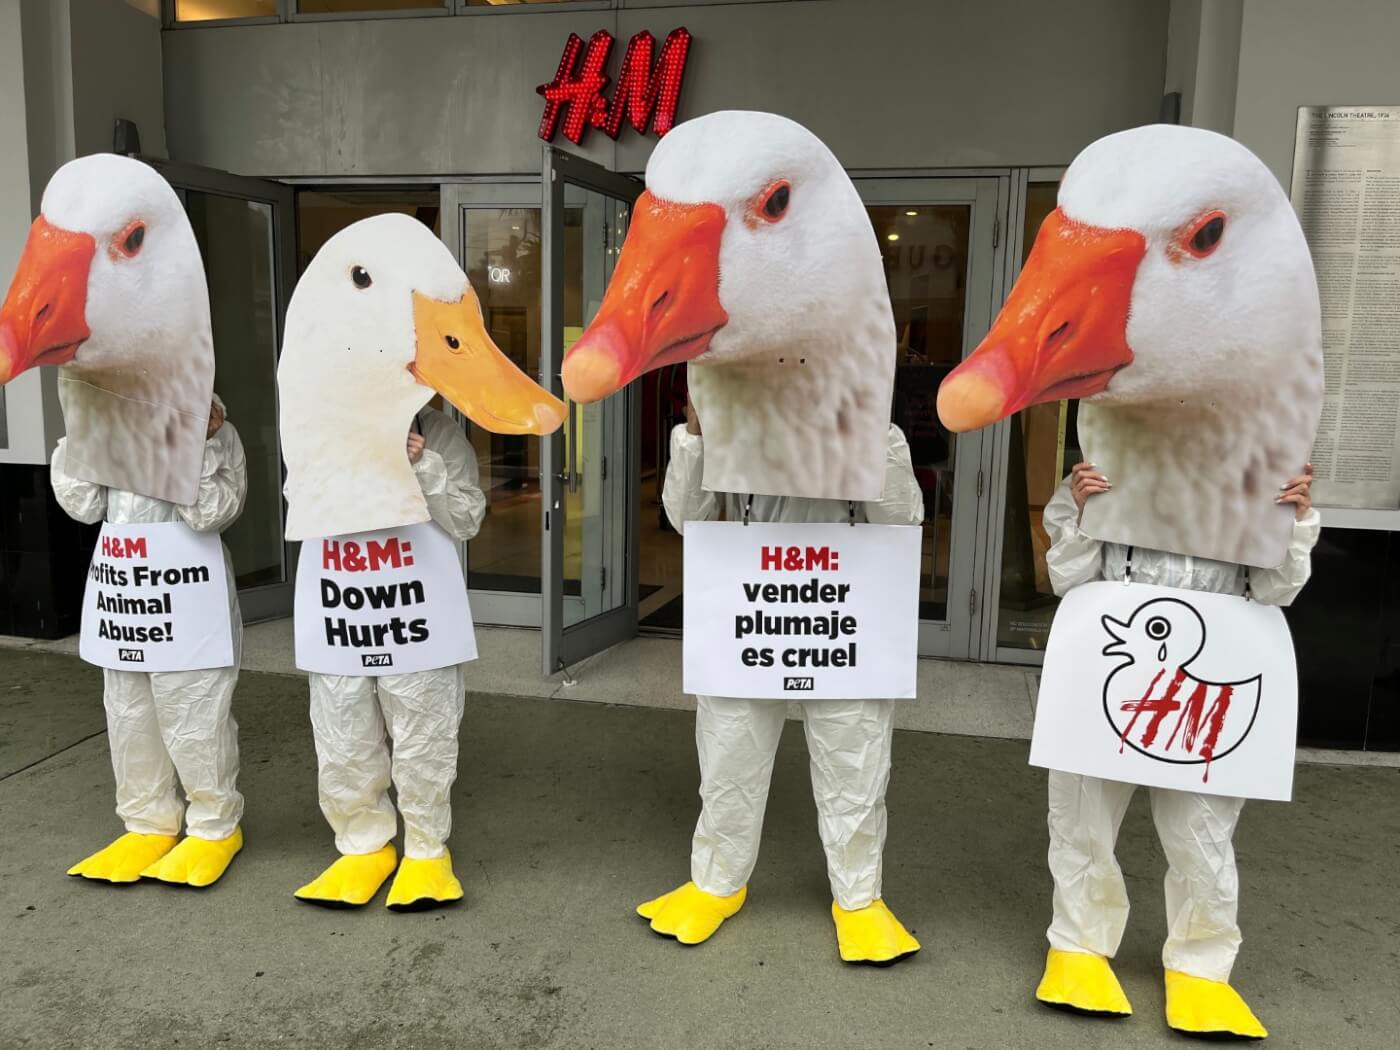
{"points": [[1346, 191]]}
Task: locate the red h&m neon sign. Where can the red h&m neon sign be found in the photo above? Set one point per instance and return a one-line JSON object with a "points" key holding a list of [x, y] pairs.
{"points": [[644, 94]]}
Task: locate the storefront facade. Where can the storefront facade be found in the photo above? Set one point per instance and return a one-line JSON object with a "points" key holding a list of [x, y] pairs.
{"points": [[282, 120]]}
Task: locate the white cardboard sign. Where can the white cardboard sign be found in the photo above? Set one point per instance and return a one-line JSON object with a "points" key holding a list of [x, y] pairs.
{"points": [[377, 603], [801, 611], [156, 600], [1169, 688]]}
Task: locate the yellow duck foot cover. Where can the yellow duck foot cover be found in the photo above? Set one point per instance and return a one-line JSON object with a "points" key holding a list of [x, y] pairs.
{"points": [[124, 859], [424, 882], [196, 862], [1082, 982], [352, 881], [871, 936], [689, 914], [1198, 1006]]}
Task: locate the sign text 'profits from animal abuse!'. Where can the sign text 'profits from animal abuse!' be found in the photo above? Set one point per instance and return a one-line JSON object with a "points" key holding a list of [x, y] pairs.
{"points": [[386, 602], [801, 611], [156, 600]]}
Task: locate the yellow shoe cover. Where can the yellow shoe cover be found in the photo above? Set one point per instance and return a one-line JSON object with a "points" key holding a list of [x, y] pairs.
{"points": [[871, 935], [689, 914], [1084, 982], [196, 862], [124, 859], [1203, 1007], [352, 881], [424, 883]]}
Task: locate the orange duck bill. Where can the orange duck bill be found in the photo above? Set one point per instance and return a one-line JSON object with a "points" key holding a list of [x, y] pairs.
{"points": [[1063, 330], [44, 318], [662, 306], [457, 358]]}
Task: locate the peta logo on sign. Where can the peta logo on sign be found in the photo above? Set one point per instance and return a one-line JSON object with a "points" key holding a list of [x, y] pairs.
{"points": [[377, 660], [131, 656], [800, 684]]}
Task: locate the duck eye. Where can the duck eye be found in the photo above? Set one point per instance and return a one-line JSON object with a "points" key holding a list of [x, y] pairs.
{"points": [[130, 240], [361, 277], [1158, 628], [775, 201], [453, 343], [1206, 234]]}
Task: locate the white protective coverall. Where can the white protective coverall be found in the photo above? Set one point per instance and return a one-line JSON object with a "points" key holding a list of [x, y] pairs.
{"points": [[1202, 885], [422, 711], [848, 740], [160, 725]]}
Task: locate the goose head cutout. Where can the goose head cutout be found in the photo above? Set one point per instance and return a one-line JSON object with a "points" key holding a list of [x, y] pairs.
{"points": [[382, 318], [1172, 291], [750, 256], [110, 287]]}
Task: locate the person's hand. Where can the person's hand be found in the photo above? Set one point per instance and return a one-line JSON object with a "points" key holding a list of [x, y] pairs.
{"points": [[1085, 481], [1298, 491], [416, 444], [692, 421], [216, 419]]}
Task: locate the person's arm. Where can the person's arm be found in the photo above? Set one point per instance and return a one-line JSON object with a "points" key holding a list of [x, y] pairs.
{"points": [[81, 500], [903, 500], [448, 474], [1074, 557], [223, 480], [682, 494], [1280, 585]]}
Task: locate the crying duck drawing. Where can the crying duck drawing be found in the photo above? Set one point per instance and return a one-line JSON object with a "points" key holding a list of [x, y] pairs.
{"points": [[1153, 701]]}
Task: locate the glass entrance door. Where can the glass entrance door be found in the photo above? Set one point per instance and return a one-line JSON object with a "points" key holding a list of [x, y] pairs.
{"points": [[940, 242], [245, 229], [590, 466]]}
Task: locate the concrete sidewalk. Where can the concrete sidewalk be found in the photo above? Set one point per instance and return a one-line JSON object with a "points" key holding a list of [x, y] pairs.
{"points": [[568, 814]]}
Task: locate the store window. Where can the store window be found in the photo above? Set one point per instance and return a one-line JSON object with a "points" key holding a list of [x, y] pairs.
{"points": [[210, 10], [355, 7], [1044, 444], [925, 252], [501, 247]]}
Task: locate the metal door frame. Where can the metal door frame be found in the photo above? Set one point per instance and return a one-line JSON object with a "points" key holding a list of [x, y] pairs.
{"points": [[270, 601], [564, 646], [505, 608], [988, 195]]}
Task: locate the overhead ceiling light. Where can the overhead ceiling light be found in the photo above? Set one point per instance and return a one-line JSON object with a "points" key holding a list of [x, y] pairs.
{"points": [[891, 236], [911, 212]]}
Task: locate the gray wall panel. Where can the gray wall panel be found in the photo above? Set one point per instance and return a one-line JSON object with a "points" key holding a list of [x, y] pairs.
{"points": [[888, 83]]}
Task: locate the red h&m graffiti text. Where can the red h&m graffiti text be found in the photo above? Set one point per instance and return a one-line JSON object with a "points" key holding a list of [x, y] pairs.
{"points": [[798, 559], [645, 93], [124, 547], [1192, 717], [352, 556]]}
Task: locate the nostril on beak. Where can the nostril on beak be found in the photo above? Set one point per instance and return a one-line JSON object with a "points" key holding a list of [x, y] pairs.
{"points": [[453, 343], [660, 301], [1057, 336], [43, 312]]}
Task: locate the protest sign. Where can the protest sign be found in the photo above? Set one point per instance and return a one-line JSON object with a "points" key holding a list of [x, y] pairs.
{"points": [[391, 601], [801, 611], [1169, 688], [156, 600]]}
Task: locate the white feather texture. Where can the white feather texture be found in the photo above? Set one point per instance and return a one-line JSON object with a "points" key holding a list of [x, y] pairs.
{"points": [[1221, 402], [136, 396], [347, 396], [793, 394]]}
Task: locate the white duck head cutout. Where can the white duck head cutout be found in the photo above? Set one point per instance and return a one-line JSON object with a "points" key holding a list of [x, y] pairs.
{"points": [[110, 287], [750, 256], [1173, 292], [382, 318]]}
